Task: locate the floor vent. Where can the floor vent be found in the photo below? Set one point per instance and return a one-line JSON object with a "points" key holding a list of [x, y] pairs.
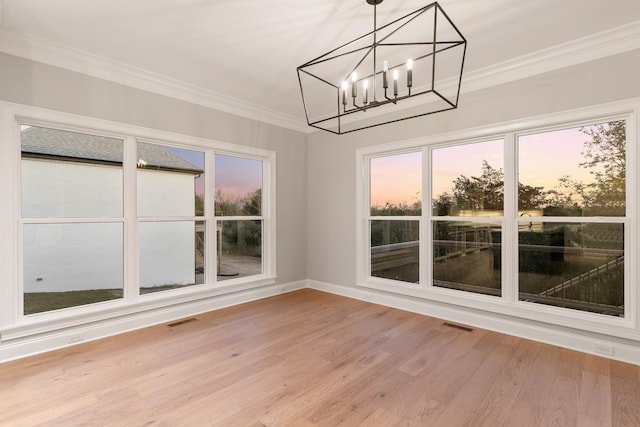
{"points": [[462, 328], [182, 322]]}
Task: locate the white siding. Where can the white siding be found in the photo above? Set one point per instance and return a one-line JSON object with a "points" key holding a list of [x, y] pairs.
{"points": [[162, 193], [90, 258], [92, 254], [58, 189]]}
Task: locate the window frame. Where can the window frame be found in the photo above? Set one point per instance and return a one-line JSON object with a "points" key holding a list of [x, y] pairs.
{"points": [[508, 304], [13, 324]]}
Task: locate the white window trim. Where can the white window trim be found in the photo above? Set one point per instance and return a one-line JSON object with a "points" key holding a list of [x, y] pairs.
{"points": [[12, 325], [508, 304]]}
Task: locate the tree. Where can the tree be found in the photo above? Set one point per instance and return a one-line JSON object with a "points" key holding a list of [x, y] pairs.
{"points": [[605, 155], [252, 203], [483, 192]]}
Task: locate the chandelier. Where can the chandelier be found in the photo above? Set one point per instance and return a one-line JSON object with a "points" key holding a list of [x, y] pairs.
{"points": [[416, 61]]}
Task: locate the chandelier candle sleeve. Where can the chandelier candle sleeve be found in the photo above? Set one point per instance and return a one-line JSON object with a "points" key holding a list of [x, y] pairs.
{"points": [[345, 85], [385, 70], [365, 85], [395, 83], [354, 84], [410, 73]]}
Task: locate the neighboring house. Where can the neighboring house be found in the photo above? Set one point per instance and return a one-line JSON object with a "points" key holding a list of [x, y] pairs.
{"points": [[72, 175]]}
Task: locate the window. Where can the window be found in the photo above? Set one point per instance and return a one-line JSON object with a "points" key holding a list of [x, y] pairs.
{"points": [[395, 209], [170, 189], [531, 222], [117, 219], [468, 187], [239, 220], [571, 210], [72, 207]]}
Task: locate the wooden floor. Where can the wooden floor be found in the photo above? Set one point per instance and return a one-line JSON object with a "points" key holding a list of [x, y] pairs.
{"points": [[313, 359]]}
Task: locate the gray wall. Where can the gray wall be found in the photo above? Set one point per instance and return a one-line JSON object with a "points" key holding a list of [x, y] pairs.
{"points": [[332, 159], [36, 84]]}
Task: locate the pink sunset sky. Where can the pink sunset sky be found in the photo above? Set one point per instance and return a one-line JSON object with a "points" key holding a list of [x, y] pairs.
{"points": [[235, 176], [544, 158]]}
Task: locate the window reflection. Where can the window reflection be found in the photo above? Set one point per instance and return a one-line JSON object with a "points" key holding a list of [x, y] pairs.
{"points": [[467, 256], [572, 265], [395, 250]]}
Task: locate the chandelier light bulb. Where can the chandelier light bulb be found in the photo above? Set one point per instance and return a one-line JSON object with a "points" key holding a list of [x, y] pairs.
{"points": [[410, 73]]}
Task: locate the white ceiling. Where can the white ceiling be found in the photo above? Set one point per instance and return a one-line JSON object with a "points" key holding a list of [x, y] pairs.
{"points": [[246, 51]]}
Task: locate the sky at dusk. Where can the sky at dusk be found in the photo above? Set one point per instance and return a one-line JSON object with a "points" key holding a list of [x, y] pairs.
{"points": [[396, 179], [543, 159], [451, 162], [235, 176]]}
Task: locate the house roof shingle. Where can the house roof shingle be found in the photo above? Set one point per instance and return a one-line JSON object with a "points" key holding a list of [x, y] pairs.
{"points": [[75, 146]]}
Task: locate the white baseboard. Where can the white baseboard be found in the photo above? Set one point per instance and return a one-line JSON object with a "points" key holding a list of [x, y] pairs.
{"points": [[28, 346], [575, 340], [622, 350]]}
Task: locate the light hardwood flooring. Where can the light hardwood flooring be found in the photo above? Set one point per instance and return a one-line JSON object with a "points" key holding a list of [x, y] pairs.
{"points": [[309, 358]]}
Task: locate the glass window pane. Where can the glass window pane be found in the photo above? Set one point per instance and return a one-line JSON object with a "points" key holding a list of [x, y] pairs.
{"points": [[70, 174], [395, 250], [468, 180], [68, 265], [573, 172], [238, 186], [171, 255], [170, 181], [467, 256], [572, 265], [239, 248], [396, 184]]}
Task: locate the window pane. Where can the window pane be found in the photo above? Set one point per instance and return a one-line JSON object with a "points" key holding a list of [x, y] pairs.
{"points": [[69, 174], [572, 265], [468, 180], [238, 186], [68, 265], [573, 172], [467, 256], [395, 250], [239, 248], [171, 255], [396, 183], [170, 181]]}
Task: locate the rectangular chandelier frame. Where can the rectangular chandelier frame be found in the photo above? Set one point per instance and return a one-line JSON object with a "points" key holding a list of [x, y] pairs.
{"points": [[380, 39]]}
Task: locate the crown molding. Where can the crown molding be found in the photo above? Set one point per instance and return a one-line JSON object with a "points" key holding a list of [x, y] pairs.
{"points": [[590, 48], [610, 42], [62, 56]]}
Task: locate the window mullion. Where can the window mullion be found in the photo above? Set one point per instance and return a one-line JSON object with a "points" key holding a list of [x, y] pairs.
{"points": [[426, 235], [510, 223], [131, 242]]}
